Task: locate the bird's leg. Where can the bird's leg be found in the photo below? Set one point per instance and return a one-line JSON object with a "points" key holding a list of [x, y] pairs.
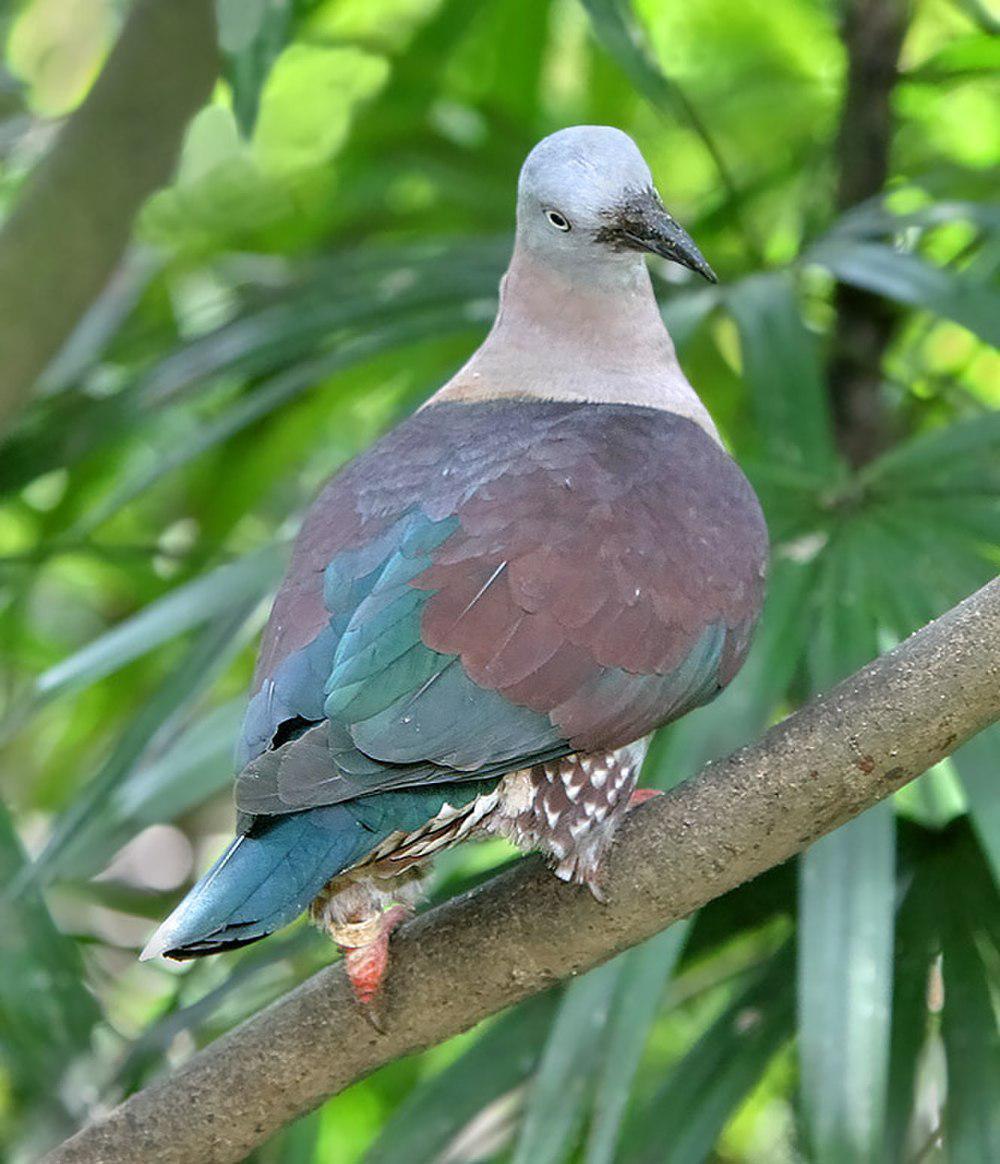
{"points": [[359, 910], [596, 873], [365, 945], [641, 795], [570, 809]]}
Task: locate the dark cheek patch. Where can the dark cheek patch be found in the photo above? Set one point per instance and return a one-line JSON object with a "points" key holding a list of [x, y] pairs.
{"points": [[631, 217]]}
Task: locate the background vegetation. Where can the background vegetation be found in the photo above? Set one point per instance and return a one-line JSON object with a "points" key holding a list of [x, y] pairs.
{"points": [[326, 255]]}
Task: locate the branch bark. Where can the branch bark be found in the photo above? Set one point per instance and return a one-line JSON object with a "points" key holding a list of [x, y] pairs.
{"points": [[516, 935], [873, 33], [72, 220]]}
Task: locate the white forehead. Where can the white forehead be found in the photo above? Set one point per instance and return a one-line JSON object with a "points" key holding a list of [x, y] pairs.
{"points": [[586, 166]]}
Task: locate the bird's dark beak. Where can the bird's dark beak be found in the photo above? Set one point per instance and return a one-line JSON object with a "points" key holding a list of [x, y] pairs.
{"points": [[643, 224], [673, 242]]}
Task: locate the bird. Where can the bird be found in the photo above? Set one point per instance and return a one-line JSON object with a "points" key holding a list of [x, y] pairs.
{"points": [[488, 612]]}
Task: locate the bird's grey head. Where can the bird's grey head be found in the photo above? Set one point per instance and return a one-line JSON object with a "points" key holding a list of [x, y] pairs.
{"points": [[586, 195]]}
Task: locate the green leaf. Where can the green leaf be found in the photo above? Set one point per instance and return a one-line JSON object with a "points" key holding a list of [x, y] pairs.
{"points": [[558, 1094], [212, 142], [620, 35], [46, 1012], [874, 219], [308, 103], [193, 767], [846, 905], [916, 946], [239, 22], [981, 16], [80, 842], [782, 371], [907, 278], [967, 56], [252, 33], [349, 296], [615, 26], [702, 1092], [314, 275], [271, 395], [969, 1020], [182, 609], [260, 973], [978, 766], [846, 910], [846, 608], [436, 1109], [684, 312], [930, 555], [296, 1144], [934, 799], [959, 457], [357, 290], [644, 975]]}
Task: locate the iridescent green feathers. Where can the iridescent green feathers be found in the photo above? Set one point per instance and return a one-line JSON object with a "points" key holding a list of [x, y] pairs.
{"points": [[573, 575]]}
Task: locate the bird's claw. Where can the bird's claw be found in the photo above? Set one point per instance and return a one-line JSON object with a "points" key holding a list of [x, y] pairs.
{"points": [[366, 958], [596, 884], [641, 795]]}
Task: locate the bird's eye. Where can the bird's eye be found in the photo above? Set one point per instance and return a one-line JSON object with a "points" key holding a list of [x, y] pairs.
{"points": [[559, 221]]}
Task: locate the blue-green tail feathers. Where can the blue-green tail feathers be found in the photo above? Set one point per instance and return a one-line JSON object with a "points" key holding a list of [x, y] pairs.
{"points": [[269, 876], [263, 881]]}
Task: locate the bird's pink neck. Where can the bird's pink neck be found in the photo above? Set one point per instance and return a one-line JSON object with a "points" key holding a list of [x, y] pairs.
{"points": [[589, 335]]}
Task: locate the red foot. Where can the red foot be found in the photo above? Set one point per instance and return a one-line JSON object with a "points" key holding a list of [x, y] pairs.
{"points": [[366, 965], [641, 795]]}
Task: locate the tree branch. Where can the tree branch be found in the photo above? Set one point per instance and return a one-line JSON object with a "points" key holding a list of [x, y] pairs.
{"points": [[516, 935], [873, 36], [73, 218]]}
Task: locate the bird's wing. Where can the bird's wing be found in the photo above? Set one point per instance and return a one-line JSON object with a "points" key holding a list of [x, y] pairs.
{"points": [[517, 581]]}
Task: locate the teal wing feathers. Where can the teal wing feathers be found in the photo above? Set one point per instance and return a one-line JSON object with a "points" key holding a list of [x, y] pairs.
{"points": [[500, 584], [390, 712]]}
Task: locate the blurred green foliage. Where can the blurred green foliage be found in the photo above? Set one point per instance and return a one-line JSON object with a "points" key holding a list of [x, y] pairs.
{"points": [[328, 253]]}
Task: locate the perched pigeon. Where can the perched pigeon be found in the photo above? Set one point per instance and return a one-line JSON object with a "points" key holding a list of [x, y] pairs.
{"points": [[489, 611]]}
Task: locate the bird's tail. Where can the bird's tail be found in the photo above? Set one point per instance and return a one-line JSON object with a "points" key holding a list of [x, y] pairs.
{"points": [[267, 877], [263, 881]]}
